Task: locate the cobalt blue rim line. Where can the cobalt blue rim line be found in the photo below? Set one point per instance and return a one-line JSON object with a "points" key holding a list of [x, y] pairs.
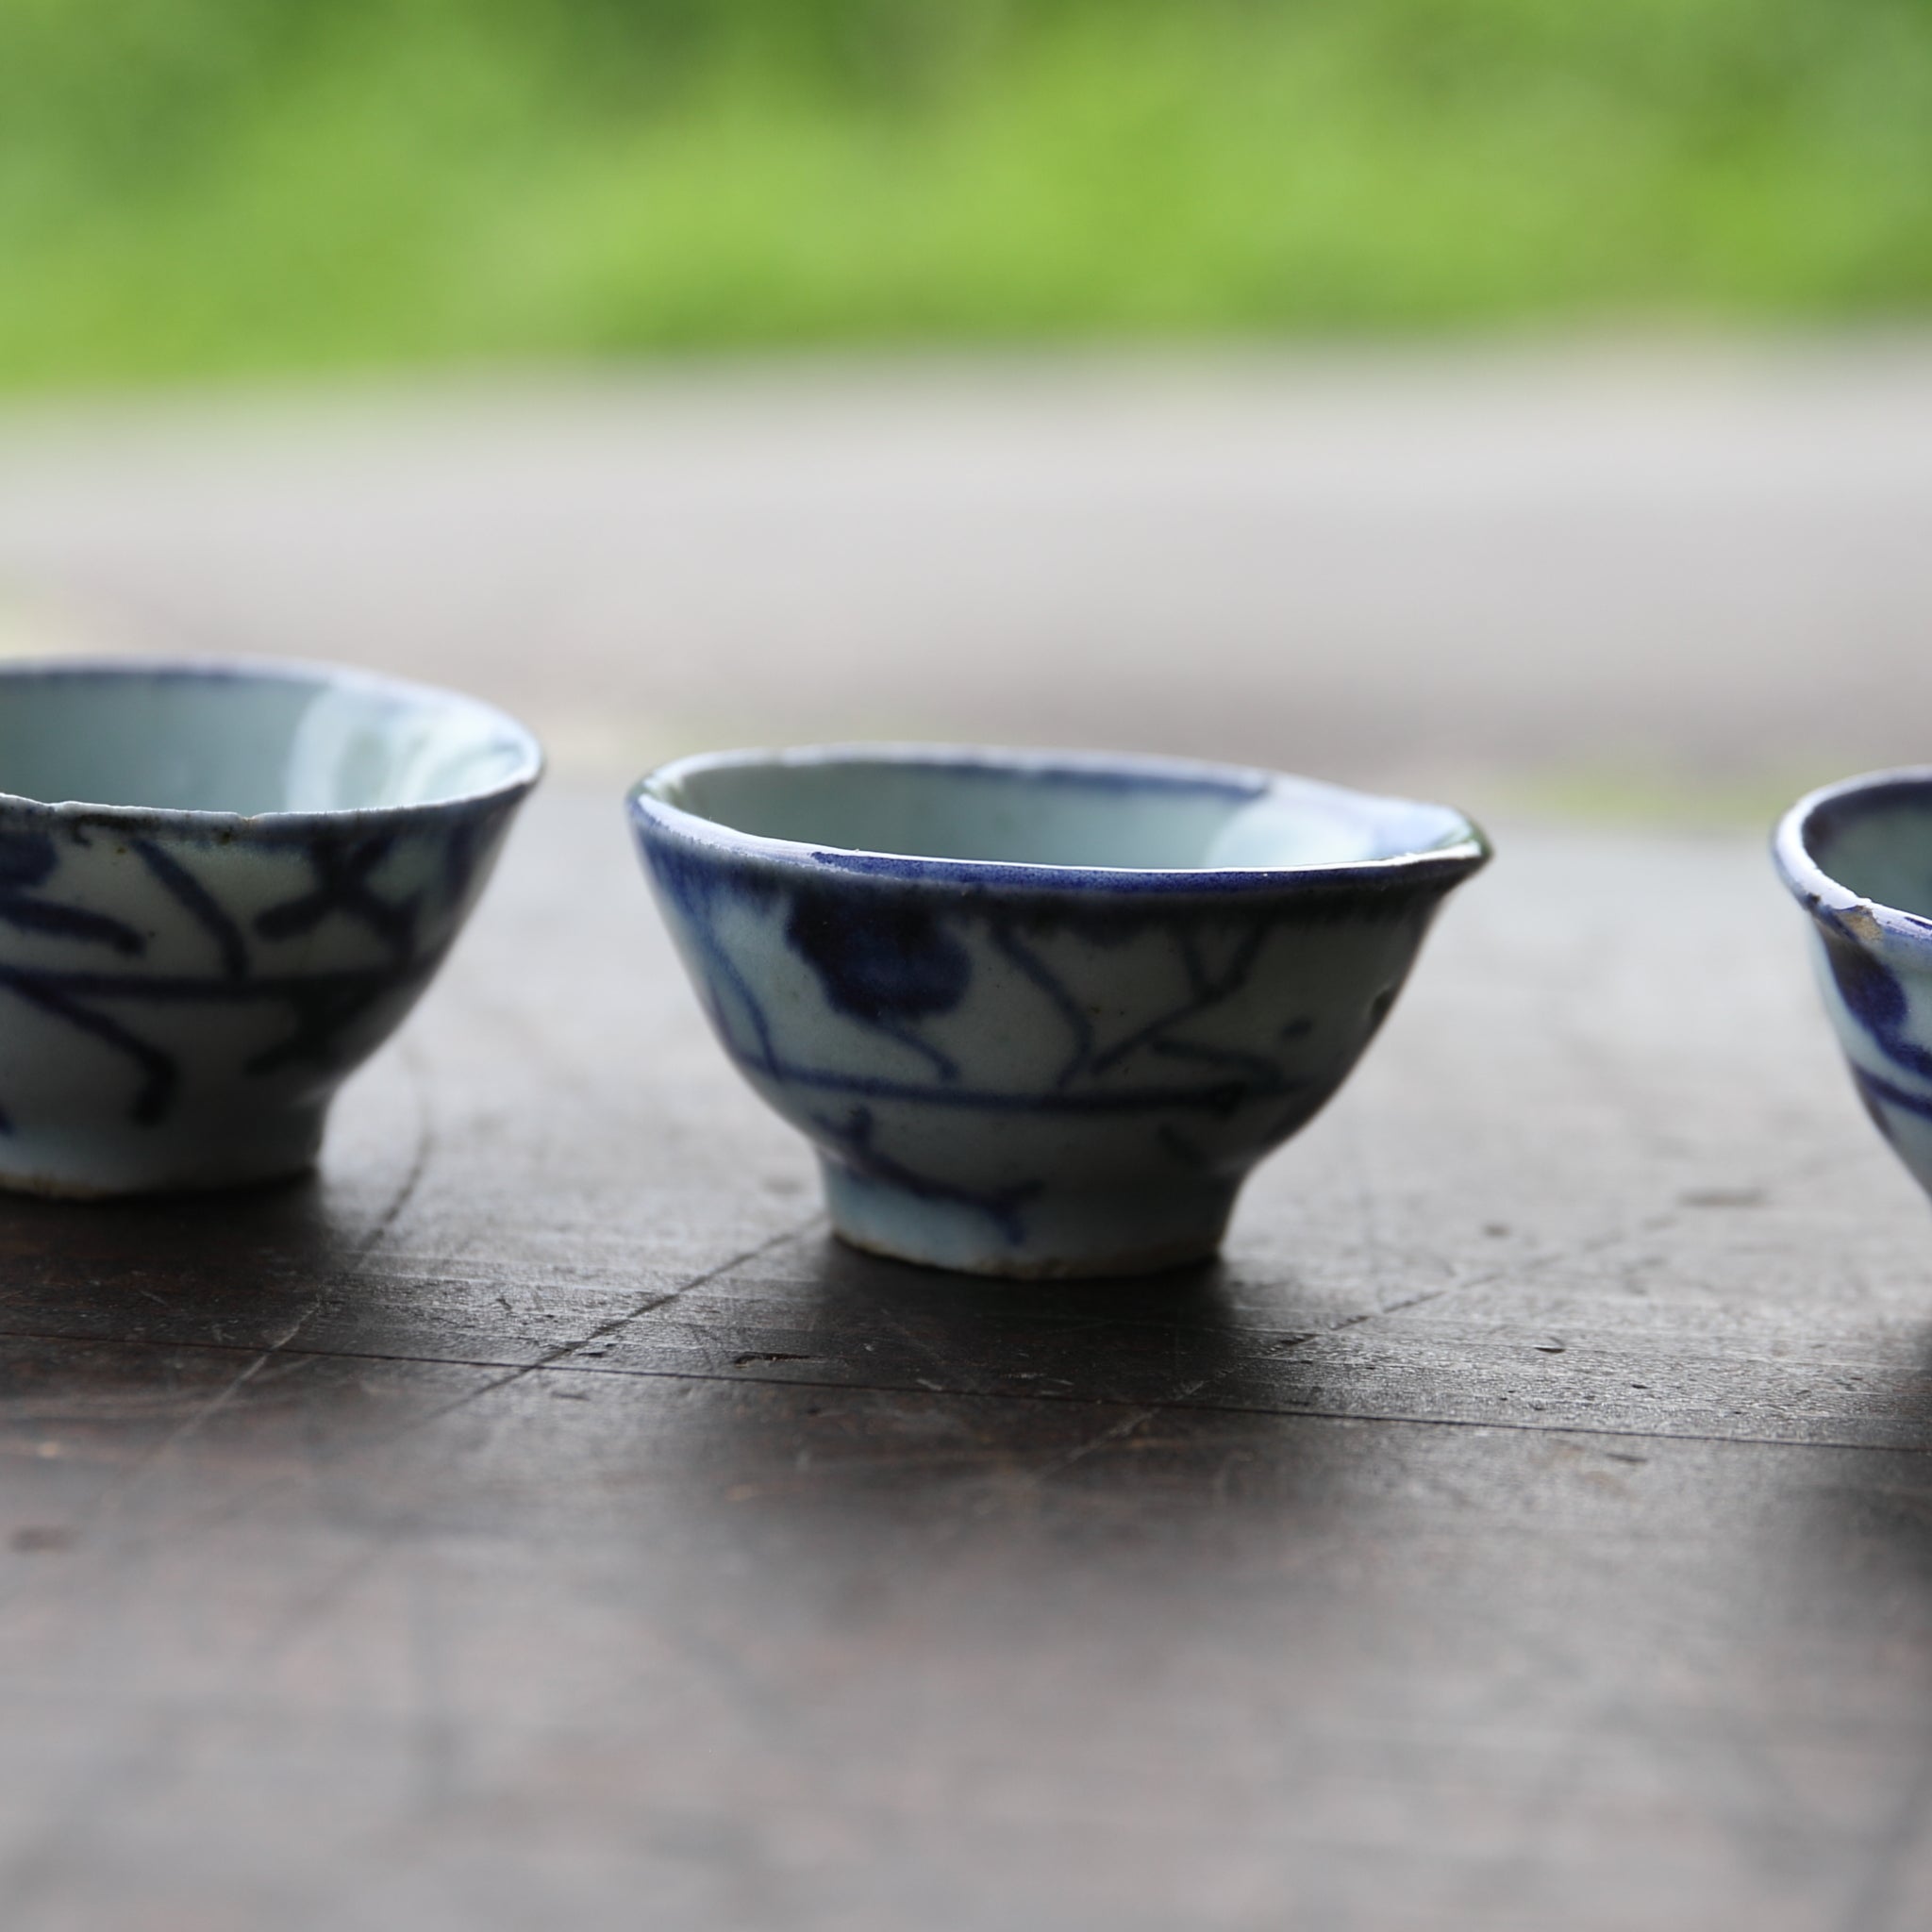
{"points": [[310, 673], [656, 815], [1825, 897]]}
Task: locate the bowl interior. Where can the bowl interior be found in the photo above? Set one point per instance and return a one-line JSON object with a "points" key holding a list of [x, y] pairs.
{"points": [[216, 739], [1041, 812], [1877, 843]]}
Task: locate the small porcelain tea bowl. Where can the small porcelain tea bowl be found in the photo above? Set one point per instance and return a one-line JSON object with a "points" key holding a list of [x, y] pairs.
{"points": [[1040, 1013], [1857, 857], [221, 886]]}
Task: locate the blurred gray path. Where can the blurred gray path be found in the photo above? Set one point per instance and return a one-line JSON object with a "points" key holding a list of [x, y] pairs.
{"points": [[1705, 569]]}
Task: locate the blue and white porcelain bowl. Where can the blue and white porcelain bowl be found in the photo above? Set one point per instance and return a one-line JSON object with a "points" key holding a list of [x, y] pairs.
{"points": [[1857, 857], [1040, 1013], [221, 886]]}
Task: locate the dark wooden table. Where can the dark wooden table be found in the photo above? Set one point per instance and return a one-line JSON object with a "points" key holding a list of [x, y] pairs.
{"points": [[536, 1522]]}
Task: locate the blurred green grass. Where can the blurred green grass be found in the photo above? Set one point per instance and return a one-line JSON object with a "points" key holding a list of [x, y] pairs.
{"points": [[189, 187]]}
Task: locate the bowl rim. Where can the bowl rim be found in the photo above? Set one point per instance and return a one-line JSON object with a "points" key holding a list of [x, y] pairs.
{"points": [[1827, 899], [317, 673], [1446, 865]]}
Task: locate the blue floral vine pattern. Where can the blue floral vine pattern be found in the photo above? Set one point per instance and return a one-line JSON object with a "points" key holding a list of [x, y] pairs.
{"points": [[890, 998], [906, 963], [320, 1005], [1877, 998]]}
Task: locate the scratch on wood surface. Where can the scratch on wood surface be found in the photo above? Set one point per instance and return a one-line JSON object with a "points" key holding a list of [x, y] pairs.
{"points": [[378, 1234], [116, 1491], [884, 1317], [1080, 1451], [1115, 1432], [1543, 1257], [606, 1331], [192, 1524]]}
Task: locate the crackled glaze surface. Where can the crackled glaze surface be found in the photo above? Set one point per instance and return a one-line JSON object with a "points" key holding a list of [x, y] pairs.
{"points": [[1039, 1014], [232, 885], [1857, 857]]}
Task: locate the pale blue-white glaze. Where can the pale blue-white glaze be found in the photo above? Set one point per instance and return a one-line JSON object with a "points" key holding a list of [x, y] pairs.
{"points": [[1857, 857], [1040, 1012], [221, 886]]}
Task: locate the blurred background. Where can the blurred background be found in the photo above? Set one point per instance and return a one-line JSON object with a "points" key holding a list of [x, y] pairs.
{"points": [[1506, 395]]}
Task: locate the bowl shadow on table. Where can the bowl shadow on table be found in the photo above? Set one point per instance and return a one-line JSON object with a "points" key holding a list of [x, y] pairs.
{"points": [[1846, 1547], [241, 1268], [1870, 1514], [860, 1382], [128, 1324]]}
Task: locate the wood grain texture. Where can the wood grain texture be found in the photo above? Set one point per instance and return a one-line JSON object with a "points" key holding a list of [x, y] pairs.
{"points": [[536, 1520]]}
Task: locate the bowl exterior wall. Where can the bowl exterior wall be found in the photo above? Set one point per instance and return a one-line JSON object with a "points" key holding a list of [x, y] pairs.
{"points": [[176, 1007], [1036, 1082], [1879, 1000]]}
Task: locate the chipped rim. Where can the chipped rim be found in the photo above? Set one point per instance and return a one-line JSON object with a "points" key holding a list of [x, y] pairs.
{"points": [[1830, 901]]}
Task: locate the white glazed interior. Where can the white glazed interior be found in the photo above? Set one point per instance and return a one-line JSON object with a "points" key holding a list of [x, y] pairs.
{"points": [[1882, 851], [244, 740], [1136, 816]]}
